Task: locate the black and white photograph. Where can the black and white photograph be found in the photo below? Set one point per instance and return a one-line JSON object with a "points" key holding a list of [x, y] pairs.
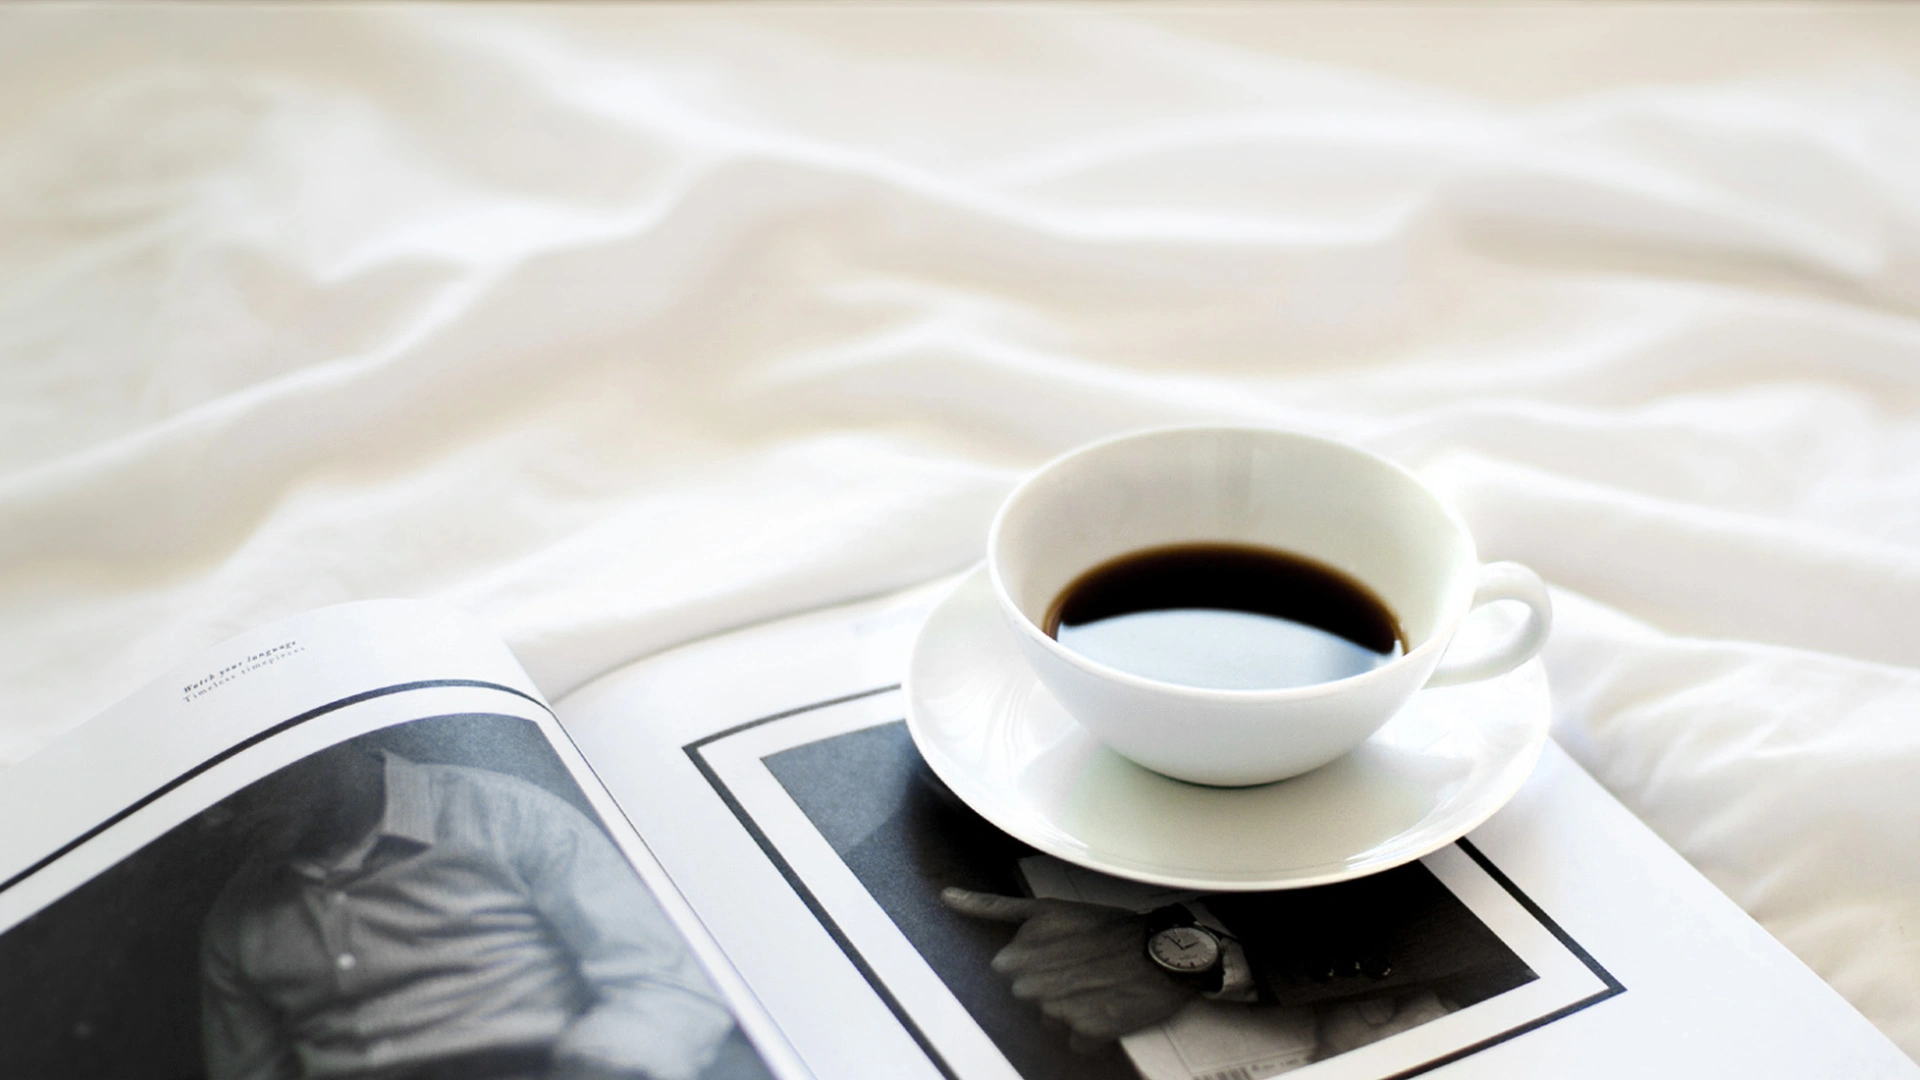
{"points": [[1074, 974], [435, 900]]}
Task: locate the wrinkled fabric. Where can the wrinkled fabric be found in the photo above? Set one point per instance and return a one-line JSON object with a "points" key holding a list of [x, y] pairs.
{"points": [[625, 325]]}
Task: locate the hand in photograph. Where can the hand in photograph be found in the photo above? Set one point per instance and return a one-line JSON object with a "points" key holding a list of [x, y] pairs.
{"points": [[1085, 965]]}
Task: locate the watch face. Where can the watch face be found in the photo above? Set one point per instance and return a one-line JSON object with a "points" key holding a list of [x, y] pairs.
{"points": [[1184, 949]]}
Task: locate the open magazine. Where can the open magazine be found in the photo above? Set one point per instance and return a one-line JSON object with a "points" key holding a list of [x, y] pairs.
{"points": [[358, 843]]}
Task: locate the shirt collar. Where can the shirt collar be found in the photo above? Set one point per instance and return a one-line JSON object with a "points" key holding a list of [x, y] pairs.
{"points": [[407, 816], [409, 810]]}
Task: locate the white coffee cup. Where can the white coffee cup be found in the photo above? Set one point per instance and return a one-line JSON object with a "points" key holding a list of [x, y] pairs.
{"points": [[1330, 502]]}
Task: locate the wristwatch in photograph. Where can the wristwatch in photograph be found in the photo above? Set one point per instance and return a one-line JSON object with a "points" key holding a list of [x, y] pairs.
{"points": [[1186, 942]]}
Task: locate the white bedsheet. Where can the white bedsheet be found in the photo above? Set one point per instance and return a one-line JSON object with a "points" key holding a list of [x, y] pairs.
{"points": [[626, 325]]}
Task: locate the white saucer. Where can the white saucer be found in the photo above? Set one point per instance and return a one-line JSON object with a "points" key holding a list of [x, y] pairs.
{"points": [[994, 735]]}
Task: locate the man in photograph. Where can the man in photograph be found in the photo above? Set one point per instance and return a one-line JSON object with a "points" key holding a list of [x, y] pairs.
{"points": [[404, 921]]}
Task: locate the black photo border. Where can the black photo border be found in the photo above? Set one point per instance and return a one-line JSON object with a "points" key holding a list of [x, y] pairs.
{"points": [[695, 752]]}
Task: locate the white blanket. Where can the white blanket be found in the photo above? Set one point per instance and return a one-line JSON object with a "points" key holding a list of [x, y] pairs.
{"points": [[625, 325]]}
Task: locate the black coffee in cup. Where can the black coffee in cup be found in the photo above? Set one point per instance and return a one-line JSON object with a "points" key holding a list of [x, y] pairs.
{"points": [[1226, 617]]}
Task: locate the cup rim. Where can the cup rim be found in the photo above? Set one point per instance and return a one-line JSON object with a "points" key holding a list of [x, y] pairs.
{"points": [[1435, 642]]}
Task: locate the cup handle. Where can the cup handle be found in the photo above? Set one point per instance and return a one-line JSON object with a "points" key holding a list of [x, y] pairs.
{"points": [[1502, 581]]}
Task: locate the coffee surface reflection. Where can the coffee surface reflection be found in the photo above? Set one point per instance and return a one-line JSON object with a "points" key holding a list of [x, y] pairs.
{"points": [[1225, 617]]}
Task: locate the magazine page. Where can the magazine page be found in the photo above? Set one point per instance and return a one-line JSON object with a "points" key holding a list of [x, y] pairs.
{"points": [[775, 778], [354, 843]]}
